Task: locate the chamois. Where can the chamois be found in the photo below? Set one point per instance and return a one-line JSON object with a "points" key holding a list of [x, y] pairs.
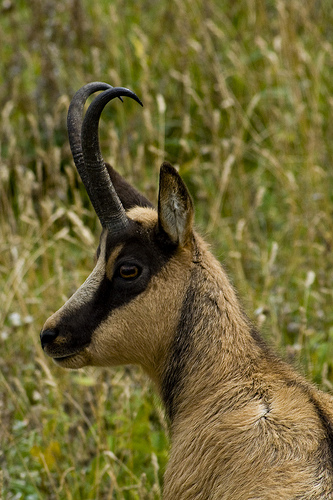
{"points": [[243, 424]]}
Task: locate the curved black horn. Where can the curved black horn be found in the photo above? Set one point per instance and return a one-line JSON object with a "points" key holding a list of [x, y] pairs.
{"points": [[107, 205], [74, 125]]}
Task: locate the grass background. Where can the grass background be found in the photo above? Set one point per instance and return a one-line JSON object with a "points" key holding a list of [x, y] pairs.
{"points": [[239, 95]]}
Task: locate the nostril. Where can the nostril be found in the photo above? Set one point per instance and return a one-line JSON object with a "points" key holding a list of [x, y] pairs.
{"points": [[48, 336]]}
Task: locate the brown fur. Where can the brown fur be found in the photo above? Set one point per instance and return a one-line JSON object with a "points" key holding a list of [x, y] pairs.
{"points": [[246, 426], [243, 424]]}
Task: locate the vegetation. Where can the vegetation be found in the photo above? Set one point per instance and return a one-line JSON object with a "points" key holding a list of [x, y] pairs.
{"points": [[239, 96]]}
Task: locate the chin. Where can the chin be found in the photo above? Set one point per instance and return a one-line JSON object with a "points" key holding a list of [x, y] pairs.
{"points": [[73, 361]]}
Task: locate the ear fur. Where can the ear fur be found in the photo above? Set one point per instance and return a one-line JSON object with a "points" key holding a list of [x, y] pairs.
{"points": [[175, 207], [127, 194]]}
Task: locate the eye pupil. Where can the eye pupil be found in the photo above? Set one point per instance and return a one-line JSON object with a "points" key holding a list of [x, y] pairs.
{"points": [[128, 272]]}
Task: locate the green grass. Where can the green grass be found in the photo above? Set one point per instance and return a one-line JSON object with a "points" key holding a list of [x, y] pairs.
{"points": [[238, 95]]}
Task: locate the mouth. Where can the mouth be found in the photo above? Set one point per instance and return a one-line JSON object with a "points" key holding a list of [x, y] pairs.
{"points": [[71, 362], [75, 360], [59, 357], [64, 358]]}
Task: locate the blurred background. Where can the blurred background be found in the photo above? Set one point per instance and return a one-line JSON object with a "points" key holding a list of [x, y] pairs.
{"points": [[237, 95]]}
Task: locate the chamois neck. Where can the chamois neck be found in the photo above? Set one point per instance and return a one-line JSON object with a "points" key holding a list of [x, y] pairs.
{"points": [[211, 344]]}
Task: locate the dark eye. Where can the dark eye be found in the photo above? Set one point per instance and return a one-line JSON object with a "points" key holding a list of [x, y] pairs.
{"points": [[129, 271]]}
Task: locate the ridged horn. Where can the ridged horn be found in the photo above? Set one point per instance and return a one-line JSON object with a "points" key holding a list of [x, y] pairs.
{"points": [[74, 125], [107, 204]]}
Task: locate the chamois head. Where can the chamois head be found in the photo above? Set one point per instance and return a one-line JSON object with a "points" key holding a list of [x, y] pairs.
{"points": [[128, 308]]}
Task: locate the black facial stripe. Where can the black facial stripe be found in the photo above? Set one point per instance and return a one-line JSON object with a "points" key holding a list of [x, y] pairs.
{"points": [[140, 246]]}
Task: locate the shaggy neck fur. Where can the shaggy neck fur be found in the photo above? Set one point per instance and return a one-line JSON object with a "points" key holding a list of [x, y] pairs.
{"points": [[213, 342], [235, 409]]}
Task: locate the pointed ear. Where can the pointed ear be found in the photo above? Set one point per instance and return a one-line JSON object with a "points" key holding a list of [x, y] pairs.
{"points": [[175, 207], [127, 194]]}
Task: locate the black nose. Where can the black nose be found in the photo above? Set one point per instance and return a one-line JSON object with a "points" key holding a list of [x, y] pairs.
{"points": [[48, 336]]}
